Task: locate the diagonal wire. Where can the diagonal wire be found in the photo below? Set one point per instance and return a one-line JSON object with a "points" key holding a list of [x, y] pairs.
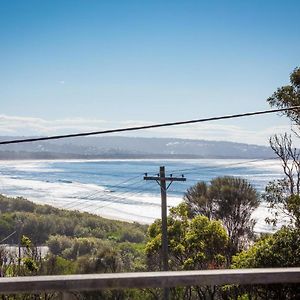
{"points": [[56, 137], [218, 166]]}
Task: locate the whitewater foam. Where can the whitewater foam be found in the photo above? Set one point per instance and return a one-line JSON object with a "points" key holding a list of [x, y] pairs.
{"points": [[93, 186]]}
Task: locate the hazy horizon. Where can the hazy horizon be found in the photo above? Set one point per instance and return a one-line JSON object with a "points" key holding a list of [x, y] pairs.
{"points": [[72, 66]]}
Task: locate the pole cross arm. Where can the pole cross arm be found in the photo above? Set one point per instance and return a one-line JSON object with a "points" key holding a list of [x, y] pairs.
{"points": [[164, 178], [161, 179]]}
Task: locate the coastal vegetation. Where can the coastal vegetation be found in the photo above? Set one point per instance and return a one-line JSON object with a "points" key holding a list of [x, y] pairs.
{"points": [[84, 243], [77, 243], [212, 228], [231, 200], [39, 222]]}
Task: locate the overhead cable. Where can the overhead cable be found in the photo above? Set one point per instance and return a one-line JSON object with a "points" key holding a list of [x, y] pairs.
{"points": [[56, 137], [204, 168]]}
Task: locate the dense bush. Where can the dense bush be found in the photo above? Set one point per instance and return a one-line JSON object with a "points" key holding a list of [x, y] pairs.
{"points": [[39, 222]]}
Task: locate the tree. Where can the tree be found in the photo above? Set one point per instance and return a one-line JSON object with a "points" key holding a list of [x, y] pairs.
{"points": [[28, 264], [288, 96], [198, 200], [281, 249], [282, 196], [197, 243], [230, 200]]}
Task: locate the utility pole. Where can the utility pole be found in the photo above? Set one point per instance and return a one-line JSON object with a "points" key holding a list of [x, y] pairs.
{"points": [[19, 230], [161, 179]]}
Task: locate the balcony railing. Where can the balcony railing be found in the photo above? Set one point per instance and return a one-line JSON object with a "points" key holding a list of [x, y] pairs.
{"points": [[92, 282]]}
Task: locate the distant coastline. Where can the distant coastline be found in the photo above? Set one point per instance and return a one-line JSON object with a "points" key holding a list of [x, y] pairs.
{"points": [[69, 156], [115, 188], [132, 148]]}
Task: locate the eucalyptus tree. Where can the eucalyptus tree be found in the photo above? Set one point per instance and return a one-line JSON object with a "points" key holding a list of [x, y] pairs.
{"points": [[288, 96], [194, 244], [231, 200], [283, 195]]}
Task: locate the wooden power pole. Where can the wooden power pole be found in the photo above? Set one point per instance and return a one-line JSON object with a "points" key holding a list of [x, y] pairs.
{"points": [[162, 180]]}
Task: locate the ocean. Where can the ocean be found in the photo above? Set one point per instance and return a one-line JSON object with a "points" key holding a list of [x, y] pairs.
{"points": [[116, 189]]}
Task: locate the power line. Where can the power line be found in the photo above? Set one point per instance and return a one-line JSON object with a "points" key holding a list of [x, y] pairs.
{"points": [[104, 197], [8, 237], [116, 186], [110, 200], [56, 137], [117, 200], [118, 197], [81, 201], [107, 200], [218, 166]]}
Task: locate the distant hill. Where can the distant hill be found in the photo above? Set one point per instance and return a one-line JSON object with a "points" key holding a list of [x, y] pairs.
{"points": [[131, 147]]}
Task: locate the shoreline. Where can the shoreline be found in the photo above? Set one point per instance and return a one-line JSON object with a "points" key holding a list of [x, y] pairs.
{"points": [[73, 184]]}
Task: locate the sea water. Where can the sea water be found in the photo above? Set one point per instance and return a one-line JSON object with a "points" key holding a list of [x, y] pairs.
{"points": [[116, 189]]}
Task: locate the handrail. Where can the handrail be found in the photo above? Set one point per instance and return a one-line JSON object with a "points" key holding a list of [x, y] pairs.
{"points": [[89, 282]]}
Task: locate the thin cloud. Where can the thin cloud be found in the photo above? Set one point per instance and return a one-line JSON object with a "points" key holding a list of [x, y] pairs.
{"points": [[219, 132], [28, 126], [37, 126]]}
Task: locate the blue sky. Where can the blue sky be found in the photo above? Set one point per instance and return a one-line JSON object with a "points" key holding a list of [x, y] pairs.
{"points": [[68, 66]]}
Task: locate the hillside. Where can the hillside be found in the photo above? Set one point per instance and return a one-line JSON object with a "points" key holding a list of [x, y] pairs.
{"points": [[131, 147], [39, 222]]}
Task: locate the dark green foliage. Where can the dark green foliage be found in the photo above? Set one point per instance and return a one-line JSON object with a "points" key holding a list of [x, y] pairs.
{"points": [[194, 244], [133, 256], [133, 236], [57, 244], [6, 225], [40, 221], [18, 204], [281, 249], [288, 96], [104, 260], [30, 264], [54, 265], [230, 200], [78, 243]]}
